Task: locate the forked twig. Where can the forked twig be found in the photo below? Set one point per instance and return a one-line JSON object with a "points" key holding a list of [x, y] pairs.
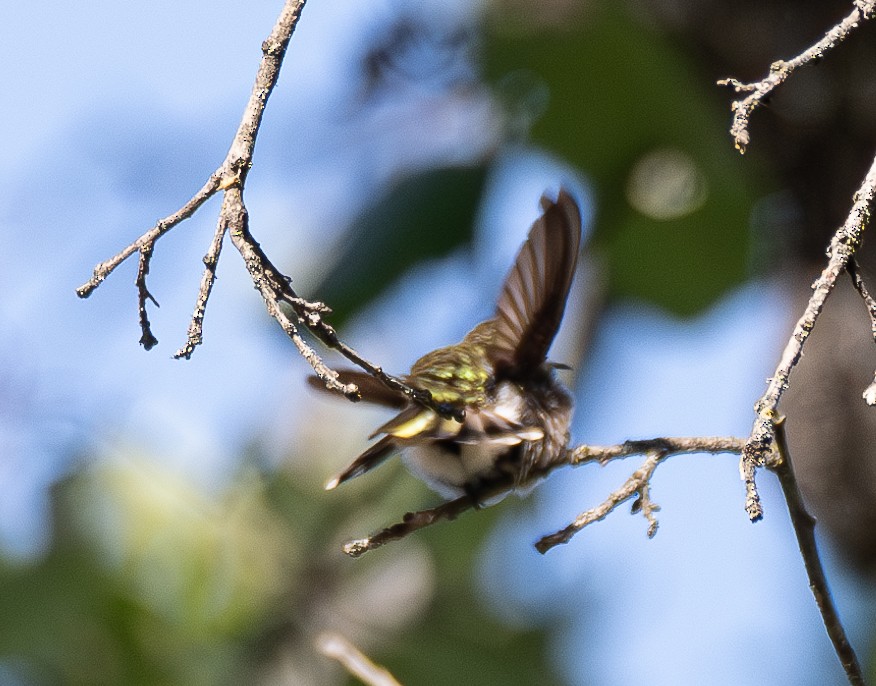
{"points": [[105, 268], [147, 338], [273, 285], [657, 449], [637, 485], [843, 245], [759, 91]]}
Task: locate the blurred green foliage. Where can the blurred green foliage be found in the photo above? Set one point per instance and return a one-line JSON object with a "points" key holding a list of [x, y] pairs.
{"points": [[617, 90], [151, 581], [148, 580]]}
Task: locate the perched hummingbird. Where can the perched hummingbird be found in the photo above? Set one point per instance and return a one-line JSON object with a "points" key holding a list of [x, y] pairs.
{"points": [[516, 412]]}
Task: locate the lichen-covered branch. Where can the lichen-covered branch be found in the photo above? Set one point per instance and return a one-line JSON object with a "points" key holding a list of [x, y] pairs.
{"points": [[636, 485], [230, 174], [780, 70], [843, 245], [274, 287], [196, 327], [657, 449]]}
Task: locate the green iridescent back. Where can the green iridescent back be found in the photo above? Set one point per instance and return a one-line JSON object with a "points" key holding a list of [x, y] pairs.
{"points": [[458, 374]]}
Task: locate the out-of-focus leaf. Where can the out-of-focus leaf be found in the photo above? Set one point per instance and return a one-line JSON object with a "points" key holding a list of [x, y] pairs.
{"points": [[459, 640], [423, 216], [617, 93], [91, 611]]}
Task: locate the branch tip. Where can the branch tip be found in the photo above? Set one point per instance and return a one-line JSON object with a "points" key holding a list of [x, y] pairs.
{"points": [[87, 289], [779, 71], [358, 547], [869, 394]]}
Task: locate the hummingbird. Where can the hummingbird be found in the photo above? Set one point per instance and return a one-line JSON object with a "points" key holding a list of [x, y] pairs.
{"points": [[514, 412]]}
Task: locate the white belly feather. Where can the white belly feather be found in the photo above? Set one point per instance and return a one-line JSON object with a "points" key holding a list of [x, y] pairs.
{"points": [[482, 439]]}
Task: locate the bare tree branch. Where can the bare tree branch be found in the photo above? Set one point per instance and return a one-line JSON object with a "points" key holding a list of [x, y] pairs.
{"points": [[274, 287], [768, 427], [843, 245], [584, 454], [230, 178], [211, 260], [338, 647], [104, 269], [804, 529], [782, 69], [637, 484], [147, 339]]}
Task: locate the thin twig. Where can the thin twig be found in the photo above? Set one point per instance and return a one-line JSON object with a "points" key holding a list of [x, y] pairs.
{"points": [[780, 70], [869, 393], [104, 269], [861, 287], [196, 327], [270, 283], [635, 485], [413, 521], [147, 339], [843, 245], [584, 454], [804, 529], [338, 647]]}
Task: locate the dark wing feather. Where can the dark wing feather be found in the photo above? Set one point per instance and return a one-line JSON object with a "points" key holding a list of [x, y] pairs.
{"points": [[533, 299], [372, 390], [367, 461]]}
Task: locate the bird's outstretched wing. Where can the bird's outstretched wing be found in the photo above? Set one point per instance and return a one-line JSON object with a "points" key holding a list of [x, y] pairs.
{"points": [[533, 298]]}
